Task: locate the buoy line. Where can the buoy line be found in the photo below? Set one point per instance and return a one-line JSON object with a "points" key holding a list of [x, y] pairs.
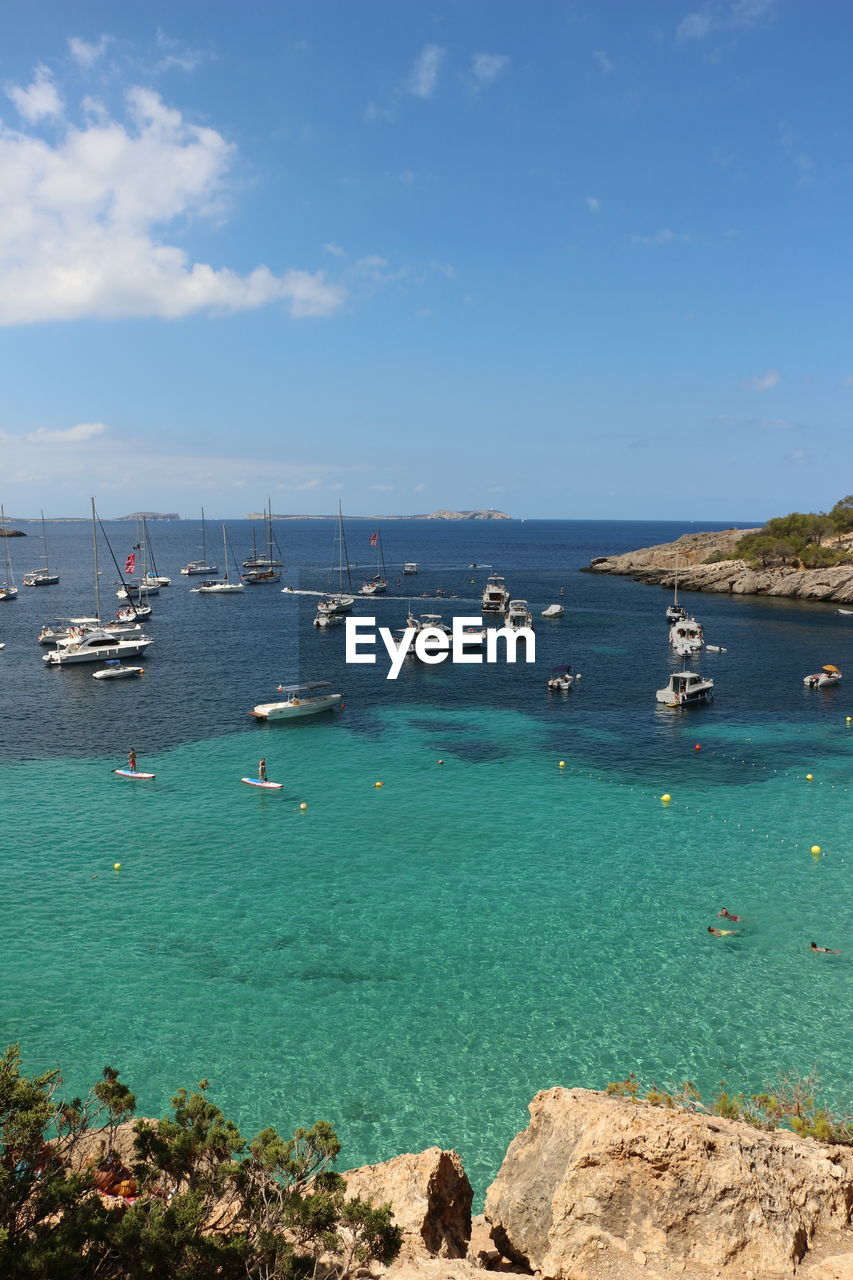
{"points": [[766, 768], [667, 802]]}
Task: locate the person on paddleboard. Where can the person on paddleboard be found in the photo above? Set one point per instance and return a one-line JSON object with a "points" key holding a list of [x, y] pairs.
{"points": [[131, 759], [262, 769]]}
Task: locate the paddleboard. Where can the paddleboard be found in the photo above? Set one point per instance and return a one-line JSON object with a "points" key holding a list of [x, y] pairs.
{"points": [[256, 782], [139, 777]]}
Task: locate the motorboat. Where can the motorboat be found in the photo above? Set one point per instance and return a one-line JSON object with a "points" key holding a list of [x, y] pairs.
{"points": [[410, 568], [299, 702], [94, 646], [327, 618], [686, 636], [685, 688], [561, 679], [8, 590], [61, 631], [115, 670], [518, 615], [820, 679], [431, 620], [553, 611], [219, 586], [197, 567], [495, 595]]}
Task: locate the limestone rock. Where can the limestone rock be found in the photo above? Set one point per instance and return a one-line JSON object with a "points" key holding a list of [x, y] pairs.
{"points": [[595, 1182], [839, 1267], [430, 1196]]}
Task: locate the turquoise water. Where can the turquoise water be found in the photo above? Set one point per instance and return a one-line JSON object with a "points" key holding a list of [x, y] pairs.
{"points": [[413, 962]]}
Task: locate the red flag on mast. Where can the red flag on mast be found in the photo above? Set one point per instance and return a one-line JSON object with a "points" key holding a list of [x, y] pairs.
{"points": [[130, 563], [373, 540]]}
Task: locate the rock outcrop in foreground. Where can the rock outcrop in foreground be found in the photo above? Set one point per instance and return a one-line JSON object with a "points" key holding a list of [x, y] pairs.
{"points": [[431, 1198], [602, 1187], [695, 555]]}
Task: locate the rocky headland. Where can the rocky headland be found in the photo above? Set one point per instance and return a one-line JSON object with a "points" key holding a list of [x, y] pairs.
{"points": [[698, 559], [600, 1187]]}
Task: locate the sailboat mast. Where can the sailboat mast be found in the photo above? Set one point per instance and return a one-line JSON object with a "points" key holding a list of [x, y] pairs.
{"points": [[203, 539], [44, 540], [381, 553], [224, 552], [97, 570]]}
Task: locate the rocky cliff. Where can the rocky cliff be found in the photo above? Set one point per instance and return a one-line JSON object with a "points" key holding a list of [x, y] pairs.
{"points": [[700, 569]]}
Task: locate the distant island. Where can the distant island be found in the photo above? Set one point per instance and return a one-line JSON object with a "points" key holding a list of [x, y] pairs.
{"points": [[150, 515], [488, 514]]}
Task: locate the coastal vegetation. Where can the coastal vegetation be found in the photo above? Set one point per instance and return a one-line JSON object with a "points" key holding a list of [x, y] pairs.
{"points": [[808, 540], [85, 1193], [791, 1102]]}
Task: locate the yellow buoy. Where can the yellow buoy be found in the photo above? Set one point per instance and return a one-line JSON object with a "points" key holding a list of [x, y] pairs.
{"points": [[379, 784], [665, 799], [848, 719], [809, 777], [303, 805], [562, 764], [116, 866], [815, 849]]}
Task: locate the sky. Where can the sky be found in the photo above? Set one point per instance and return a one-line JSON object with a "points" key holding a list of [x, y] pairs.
{"points": [[567, 260]]}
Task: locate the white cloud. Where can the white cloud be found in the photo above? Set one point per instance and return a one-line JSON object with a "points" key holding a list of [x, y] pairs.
{"points": [[593, 204], [605, 64], [86, 54], [407, 176], [40, 101], [741, 14], [176, 55], [419, 488], [334, 249], [423, 77], [762, 381], [82, 232], [68, 435], [486, 67], [664, 236], [382, 488]]}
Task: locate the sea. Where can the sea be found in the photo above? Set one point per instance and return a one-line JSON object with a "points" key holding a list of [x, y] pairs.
{"points": [[413, 961]]}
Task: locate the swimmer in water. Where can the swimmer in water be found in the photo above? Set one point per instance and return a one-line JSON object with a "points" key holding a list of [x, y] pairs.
{"points": [[826, 951], [724, 933], [724, 914]]}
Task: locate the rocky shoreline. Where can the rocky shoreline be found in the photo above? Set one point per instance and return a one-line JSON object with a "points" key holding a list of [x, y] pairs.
{"points": [[700, 568]]}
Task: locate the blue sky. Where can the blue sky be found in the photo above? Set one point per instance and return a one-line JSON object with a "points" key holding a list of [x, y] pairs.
{"points": [[582, 260]]}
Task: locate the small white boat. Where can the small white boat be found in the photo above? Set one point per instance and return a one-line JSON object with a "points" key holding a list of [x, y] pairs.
{"points": [[561, 679], [197, 567], [820, 679], [376, 586], [846, 612], [327, 618], [8, 590], [553, 611], [716, 648], [686, 636], [150, 580], [114, 670], [94, 646], [297, 704], [410, 568], [495, 595], [220, 586], [518, 615], [425, 620], [684, 689]]}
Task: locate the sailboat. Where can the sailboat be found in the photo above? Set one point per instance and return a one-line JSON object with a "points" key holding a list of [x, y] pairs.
{"points": [[142, 589], [151, 578], [378, 584], [200, 566], [260, 564], [8, 590], [332, 607], [41, 577], [221, 586], [675, 612], [86, 643]]}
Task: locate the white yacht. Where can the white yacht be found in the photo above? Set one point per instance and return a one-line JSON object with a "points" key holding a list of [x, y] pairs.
{"points": [[61, 631], [220, 586], [495, 595], [378, 584], [684, 689], [686, 636], [94, 646], [675, 612], [410, 568], [8, 590], [553, 611], [41, 577], [561, 679], [518, 615], [115, 670], [425, 620], [298, 702], [197, 567]]}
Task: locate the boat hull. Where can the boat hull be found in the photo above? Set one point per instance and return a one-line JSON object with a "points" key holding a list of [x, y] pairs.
{"points": [[296, 710]]}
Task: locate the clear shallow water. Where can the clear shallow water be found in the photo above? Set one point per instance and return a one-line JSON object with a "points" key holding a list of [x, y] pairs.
{"points": [[414, 961]]}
